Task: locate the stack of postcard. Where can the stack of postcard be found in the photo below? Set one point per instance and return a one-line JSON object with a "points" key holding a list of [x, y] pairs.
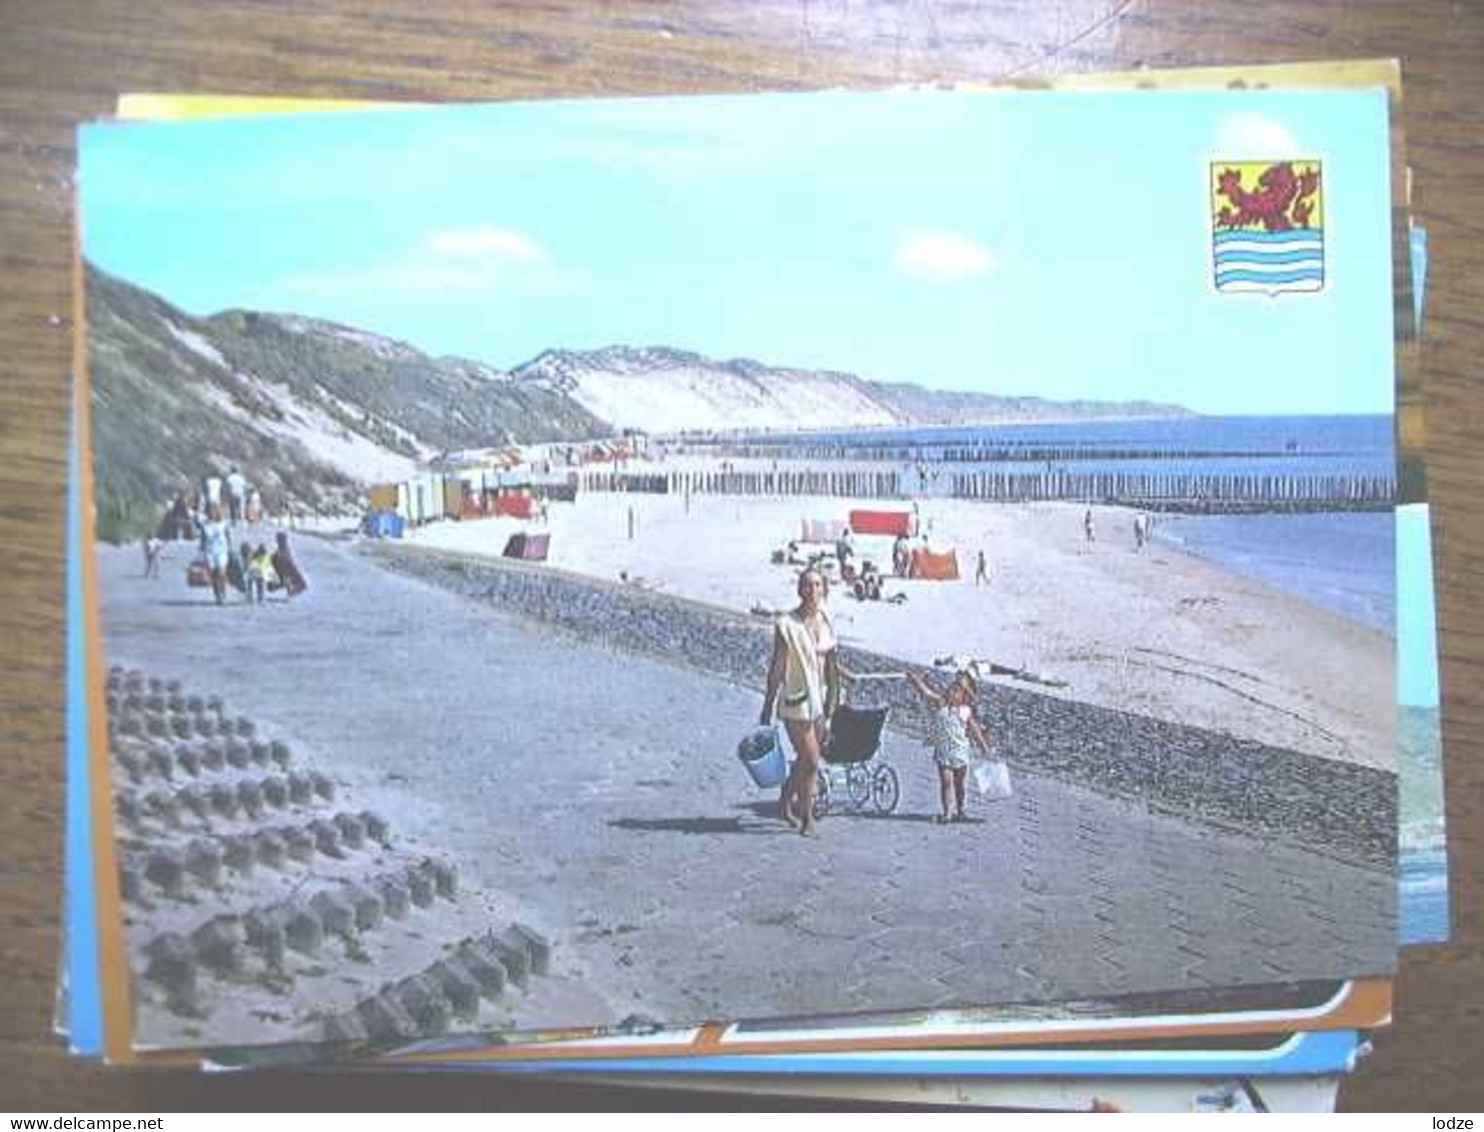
{"points": [[895, 595]]}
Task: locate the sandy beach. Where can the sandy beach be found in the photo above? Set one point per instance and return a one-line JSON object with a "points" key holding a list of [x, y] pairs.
{"points": [[1157, 632]]}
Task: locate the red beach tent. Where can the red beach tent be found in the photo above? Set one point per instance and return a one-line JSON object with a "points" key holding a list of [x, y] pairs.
{"points": [[882, 522]]}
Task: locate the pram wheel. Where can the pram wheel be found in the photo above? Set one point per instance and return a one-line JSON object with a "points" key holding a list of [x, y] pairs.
{"points": [[886, 791], [857, 786], [822, 793]]}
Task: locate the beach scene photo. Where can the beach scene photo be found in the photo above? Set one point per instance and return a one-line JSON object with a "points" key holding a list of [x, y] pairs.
{"points": [[616, 564]]}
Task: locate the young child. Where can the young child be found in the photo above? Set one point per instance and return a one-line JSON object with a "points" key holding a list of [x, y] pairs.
{"points": [[260, 574], [951, 729]]}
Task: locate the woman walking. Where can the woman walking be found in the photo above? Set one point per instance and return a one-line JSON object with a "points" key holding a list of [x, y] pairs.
{"points": [[216, 548], [803, 681]]}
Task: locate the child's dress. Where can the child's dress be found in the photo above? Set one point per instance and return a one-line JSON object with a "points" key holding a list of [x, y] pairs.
{"points": [[948, 733]]}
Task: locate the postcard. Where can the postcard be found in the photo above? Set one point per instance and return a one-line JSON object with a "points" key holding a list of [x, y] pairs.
{"points": [[505, 741]]}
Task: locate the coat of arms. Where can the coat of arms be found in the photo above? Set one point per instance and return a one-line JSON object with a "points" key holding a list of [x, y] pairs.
{"points": [[1267, 226]]}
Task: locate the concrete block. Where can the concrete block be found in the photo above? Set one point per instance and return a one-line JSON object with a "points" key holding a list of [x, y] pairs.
{"points": [[174, 701], [173, 687], [424, 1003], [326, 838], [188, 758], [223, 799], [195, 800], [157, 761], [515, 959], [154, 726], [165, 869], [384, 1018], [205, 725], [162, 805], [263, 928], [154, 702], [352, 830], [279, 752], [369, 909], [483, 966], [378, 829], [344, 1028], [250, 798], [156, 685], [458, 986], [180, 726], [394, 896], [213, 756], [204, 862], [335, 913], [239, 754], [322, 785], [172, 964], [130, 762], [445, 878], [271, 849], [275, 791], [238, 852], [299, 842], [129, 883], [245, 727], [419, 886], [536, 945], [301, 789], [214, 704], [257, 752], [195, 705], [126, 805], [220, 944], [302, 929], [131, 725]]}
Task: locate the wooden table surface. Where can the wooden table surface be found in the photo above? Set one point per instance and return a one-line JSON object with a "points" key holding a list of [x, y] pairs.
{"points": [[64, 62]]}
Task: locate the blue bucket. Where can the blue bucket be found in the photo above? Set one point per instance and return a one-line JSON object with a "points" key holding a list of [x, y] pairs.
{"points": [[762, 754]]}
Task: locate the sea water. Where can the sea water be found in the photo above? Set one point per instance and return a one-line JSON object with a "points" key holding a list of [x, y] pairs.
{"points": [[1344, 562]]}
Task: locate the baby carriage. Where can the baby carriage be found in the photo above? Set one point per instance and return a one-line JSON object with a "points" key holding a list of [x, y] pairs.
{"points": [[852, 778]]}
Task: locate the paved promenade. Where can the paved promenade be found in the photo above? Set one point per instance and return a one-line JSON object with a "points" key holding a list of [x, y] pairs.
{"points": [[597, 793]]}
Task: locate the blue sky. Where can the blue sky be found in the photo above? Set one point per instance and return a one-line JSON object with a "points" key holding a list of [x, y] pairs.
{"points": [[1041, 244]]}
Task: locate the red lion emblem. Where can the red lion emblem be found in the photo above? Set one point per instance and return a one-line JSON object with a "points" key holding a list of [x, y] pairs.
{"points": [[1282, 201]]}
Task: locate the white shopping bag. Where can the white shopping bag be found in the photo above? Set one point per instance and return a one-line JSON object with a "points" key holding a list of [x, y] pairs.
{"points": [[992, 779]]}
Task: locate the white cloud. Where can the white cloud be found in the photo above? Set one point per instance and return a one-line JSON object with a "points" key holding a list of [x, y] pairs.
{"points": [[483, 260], [940, 257], [1254, 137], [487, 241]]}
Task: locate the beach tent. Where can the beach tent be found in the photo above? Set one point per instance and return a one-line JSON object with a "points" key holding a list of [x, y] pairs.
{"points": [[820, 530], [516, 506], [935, 567], [453, 496], [532, 548], [471, 505], [882, 523]]}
